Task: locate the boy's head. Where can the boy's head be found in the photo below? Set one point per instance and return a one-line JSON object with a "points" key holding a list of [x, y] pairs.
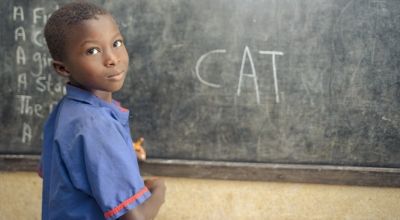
{"points": [[59, 24], [87, 47]]}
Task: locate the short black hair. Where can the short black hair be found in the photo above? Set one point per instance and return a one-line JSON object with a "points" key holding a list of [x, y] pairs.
{"points": [[62, 19]]}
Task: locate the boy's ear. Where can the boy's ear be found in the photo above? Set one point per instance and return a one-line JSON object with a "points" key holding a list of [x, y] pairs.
{"points": [[60, 68]]}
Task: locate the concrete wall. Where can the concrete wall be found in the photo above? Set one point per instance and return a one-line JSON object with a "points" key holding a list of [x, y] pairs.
{"points": [[20, 198]]}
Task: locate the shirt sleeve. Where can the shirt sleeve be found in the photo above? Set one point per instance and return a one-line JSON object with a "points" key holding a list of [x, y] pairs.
{"points": [[103, 164]]}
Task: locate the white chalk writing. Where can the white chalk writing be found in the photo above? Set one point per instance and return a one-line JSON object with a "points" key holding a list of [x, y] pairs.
{"points": [[253, 74], [246, 58], [274, 53], [41, 61], [36, 38], [22, 82], [33, 71], [26, 107], [26, 133], [18, 12], [20, 56], [20, 32], [199, 61], [39, 14]]}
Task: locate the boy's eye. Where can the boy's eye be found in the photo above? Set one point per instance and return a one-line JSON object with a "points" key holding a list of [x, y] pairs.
{"points": [[117, 43], [92, 51]]}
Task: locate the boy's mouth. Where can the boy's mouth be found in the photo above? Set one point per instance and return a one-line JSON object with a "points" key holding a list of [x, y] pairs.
{"points": [[116, 76]]}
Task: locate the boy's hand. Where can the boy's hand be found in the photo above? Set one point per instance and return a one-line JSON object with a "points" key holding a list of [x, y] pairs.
{"points": [[155, 184]]}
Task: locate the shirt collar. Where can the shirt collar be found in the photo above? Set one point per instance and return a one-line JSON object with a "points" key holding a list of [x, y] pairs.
{"points": [[81, 95]]}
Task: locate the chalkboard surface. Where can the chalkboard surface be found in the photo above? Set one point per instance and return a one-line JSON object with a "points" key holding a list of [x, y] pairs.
{"points": [[288, 81]]}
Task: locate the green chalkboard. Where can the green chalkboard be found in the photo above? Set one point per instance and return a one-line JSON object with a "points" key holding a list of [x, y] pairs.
{"points": [[310, 82]]}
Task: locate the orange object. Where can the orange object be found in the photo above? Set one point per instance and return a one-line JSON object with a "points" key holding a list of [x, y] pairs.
{"points": [[138, 147]]}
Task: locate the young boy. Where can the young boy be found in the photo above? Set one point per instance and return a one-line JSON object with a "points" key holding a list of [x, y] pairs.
{"points": [[88, 165]]}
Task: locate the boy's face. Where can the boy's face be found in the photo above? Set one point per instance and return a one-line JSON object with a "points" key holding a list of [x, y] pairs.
{"points": [[96, 58]]}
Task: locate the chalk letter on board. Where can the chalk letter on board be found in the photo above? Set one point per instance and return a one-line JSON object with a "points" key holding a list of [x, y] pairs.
{"points": [[253, 75], [39, 13], [25, 107], [198, 67], [21, 59], [59, 88], [35, 38], [20, 32], [37, 57], [52, 105], [38, 110], [22, 82], [26, 133], [40, 84], [18, 11], [274, 53]]}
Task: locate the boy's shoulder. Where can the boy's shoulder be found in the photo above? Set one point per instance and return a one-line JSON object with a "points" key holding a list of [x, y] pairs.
{"points": [[80, 113], [80, 105], [74, 116]]}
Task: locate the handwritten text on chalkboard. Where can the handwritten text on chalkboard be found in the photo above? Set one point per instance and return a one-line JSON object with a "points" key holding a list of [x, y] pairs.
{"points": [[32, 63], [253, 74]]}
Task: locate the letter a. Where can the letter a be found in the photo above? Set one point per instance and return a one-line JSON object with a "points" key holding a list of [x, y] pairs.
{"points": [[18, 12], [26, 133], [252, 75], [22, 82], [20, 32], [21, 58]]}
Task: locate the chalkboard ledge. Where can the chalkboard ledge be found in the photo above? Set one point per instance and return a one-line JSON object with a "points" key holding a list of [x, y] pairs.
{"points": [[319, 174], [19, 162]]}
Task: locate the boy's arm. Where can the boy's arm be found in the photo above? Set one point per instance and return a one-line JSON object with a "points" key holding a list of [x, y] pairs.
{"points": [[149, 209]]}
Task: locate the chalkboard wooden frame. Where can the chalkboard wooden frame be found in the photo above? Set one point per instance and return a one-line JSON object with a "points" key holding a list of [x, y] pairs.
{"points": [[317, 174]]}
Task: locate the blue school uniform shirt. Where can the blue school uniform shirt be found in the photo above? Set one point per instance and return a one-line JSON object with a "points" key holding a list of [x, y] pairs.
{"points": [[88, 165]]}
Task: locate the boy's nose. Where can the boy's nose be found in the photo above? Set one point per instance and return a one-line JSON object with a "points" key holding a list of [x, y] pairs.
{"points": [[110, 59]]}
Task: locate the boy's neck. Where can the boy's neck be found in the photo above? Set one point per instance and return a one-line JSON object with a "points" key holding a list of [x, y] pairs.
{"points": [[106, 96]]}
